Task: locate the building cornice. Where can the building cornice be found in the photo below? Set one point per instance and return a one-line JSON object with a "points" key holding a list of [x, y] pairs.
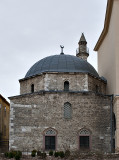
{"points": [[106, 25], [4, 99]]}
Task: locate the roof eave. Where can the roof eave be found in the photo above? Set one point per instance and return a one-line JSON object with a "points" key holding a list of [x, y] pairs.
{"points": [[4, 100], [106, 25]]}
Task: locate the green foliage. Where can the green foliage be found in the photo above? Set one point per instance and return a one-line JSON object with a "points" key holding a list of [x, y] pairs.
{"points": [[43, 155], [13, 154], [20, 153], [61, 154], [51, 153], [17, 156], [38, 153], [33, 153], [6, 154], [67, 153], [10, 155], [56, 154]]}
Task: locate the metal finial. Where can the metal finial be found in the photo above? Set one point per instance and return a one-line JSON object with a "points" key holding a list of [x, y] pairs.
{"points": [[62, 47]]}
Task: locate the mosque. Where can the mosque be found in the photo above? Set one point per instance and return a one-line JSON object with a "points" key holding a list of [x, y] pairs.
{"points": [[65, 103], [62, 104]]}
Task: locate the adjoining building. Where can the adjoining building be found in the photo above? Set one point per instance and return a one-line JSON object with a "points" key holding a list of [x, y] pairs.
{"points": [[4, 123], [62, 103], [108, 59]]}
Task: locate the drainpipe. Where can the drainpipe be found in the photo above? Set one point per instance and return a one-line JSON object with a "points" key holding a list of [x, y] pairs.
{"points": [[112, 130], [111, 121]]}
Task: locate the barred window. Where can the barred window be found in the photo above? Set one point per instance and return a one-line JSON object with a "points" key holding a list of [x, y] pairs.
{"points": [[50, 139], [32, 88], [66, 86], [67, 110], [84, 132], [50, 132]]}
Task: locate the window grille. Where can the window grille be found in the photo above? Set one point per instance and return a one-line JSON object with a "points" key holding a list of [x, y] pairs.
{"points": [[66, 86], [84, 132], [67, 110], [50, 142], [50, 132]]}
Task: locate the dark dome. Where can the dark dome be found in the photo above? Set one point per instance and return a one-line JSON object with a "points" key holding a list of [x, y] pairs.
{"points": [[61, 63]]}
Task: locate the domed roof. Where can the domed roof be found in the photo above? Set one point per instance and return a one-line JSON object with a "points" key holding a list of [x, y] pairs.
{"points": [[61, 63]]}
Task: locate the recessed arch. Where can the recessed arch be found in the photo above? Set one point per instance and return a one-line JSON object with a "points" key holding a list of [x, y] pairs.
{"points": [[50, 139]]}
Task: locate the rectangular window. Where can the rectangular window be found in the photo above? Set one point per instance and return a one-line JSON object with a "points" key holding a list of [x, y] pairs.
{"points": [[50, 142], [84, 142]]}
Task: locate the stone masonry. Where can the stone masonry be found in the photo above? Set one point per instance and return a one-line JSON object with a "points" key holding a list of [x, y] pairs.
{"points": [[55, 82], [33, 113]]}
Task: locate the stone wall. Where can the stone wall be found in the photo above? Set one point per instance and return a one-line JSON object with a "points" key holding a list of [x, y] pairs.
{"points": [[32, 114], [25, 85], [93, 82], [55, 82]]}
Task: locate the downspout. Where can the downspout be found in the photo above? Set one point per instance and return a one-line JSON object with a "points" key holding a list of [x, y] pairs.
{"points": [[111, 122]]}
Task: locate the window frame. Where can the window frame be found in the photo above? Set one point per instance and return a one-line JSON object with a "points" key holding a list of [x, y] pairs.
{"points": [[50, 135], [88, 134]]}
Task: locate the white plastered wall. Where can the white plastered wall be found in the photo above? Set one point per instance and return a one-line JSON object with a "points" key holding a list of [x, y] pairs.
{"points": [[108, 62]]}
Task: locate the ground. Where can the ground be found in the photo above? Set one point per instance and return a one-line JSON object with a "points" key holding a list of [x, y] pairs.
{"points": [[88, 156]]}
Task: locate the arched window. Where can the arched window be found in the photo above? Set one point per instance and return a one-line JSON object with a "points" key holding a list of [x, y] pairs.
{"points": [[67, 110], [84, 139], [66, 86], [50, 139], [32, 88]]}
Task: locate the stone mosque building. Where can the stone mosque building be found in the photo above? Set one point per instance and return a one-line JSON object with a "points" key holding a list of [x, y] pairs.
{"points": [[62, 104]]}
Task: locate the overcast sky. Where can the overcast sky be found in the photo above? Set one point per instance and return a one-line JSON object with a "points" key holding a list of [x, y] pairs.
{"points": [[33, 29]]}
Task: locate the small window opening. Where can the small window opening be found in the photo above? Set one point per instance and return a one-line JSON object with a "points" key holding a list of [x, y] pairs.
{"points": [[32, 88], [66, 86]]}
